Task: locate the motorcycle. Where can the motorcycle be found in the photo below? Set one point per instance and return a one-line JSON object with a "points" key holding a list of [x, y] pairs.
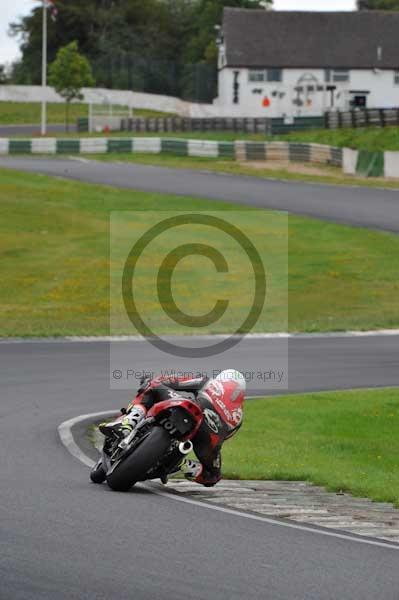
{"points": [[154, 449]]}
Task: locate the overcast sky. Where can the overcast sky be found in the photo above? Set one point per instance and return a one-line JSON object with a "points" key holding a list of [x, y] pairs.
{"points": [[11, 9]]}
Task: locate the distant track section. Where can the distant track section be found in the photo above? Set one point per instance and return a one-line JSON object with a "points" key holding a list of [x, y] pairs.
{"points": [[358, 206]]}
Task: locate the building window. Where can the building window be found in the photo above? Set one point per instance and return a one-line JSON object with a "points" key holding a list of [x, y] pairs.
{"points": [[274, 75], [340, 75], [236, 87], [336, 75], [256, 76], [260, 75], [396, 77]]}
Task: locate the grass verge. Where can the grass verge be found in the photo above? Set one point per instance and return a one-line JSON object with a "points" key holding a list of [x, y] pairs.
{"points": [[341, 440], [28, 113], [54, 244], [369, 138]]}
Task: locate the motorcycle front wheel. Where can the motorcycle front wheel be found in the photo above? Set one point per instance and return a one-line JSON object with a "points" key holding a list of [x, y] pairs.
{"points": [[97, 474], [135, 466]]}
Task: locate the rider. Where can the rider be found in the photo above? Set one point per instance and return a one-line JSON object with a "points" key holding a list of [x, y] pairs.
{"points": [[221, 400]]}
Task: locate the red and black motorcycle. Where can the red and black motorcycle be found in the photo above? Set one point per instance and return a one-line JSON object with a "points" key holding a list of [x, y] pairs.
{"points": [[155, 448]]}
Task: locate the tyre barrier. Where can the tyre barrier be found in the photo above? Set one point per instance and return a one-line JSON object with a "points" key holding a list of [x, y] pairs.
{"points": [[238, 150]]}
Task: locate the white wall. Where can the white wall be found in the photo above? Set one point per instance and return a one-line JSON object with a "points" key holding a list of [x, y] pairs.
{"points": [[35, 93], [31, 93], [383, 92]]}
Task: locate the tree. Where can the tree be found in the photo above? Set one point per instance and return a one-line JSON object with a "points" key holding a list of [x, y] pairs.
{"points": [[157, 46], [3, 75], [378, 4], [206, 14], [68, 74]]}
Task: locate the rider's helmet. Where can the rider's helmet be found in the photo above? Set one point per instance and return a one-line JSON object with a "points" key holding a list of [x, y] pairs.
{"points": [[226, 392], [232, 375]]}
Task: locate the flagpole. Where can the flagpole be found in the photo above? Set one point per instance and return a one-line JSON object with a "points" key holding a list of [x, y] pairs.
{"points": [[44, 69]]}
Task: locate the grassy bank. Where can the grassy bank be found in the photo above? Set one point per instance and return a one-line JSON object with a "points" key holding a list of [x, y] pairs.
{"points": [[367, 138], [55, 263], [28, 113], [342, 440]]}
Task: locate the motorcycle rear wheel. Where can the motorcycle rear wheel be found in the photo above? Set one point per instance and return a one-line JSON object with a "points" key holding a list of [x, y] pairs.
{"points": [[135, 467]]}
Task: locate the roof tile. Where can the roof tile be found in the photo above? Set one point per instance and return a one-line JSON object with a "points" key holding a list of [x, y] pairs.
{"points": [[260, 38]]}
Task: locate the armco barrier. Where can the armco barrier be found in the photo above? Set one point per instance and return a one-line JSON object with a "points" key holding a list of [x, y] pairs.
{"points": [[391, 164], [370, 164], [349, 161]]}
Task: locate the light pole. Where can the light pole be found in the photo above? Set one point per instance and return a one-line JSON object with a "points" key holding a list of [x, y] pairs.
{"points": [[44, 69]]}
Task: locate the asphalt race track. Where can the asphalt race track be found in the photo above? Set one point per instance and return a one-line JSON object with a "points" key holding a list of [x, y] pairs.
{"points": [[30, 130], [62, 537], [366, 207], [65, 538]]}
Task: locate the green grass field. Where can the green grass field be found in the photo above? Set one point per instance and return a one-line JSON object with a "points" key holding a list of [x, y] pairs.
{"points": [[342, 440], [55, 263], [27, 113]]}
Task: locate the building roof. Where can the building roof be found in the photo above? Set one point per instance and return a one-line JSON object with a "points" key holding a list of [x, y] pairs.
{"points": [[261, 38]]}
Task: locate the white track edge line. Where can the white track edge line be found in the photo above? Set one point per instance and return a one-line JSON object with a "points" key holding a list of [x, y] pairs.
{"points": [[65, 433], [272, 521], [250, 336]]}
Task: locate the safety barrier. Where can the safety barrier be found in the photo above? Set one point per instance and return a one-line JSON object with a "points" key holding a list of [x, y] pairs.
{"points": [[239, 150], [171, 124], [353, 162], [238, 124], [376, 117], [370, 164]]}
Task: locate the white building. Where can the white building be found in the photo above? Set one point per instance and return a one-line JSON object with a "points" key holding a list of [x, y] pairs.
{"points": [[298, 64]]}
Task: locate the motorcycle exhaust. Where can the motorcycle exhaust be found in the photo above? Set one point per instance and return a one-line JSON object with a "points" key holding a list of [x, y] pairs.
{"points": [[185, 447]]}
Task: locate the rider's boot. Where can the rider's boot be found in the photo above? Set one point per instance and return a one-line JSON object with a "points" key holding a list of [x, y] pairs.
{"points": [[189, 468], [125, 424]]}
